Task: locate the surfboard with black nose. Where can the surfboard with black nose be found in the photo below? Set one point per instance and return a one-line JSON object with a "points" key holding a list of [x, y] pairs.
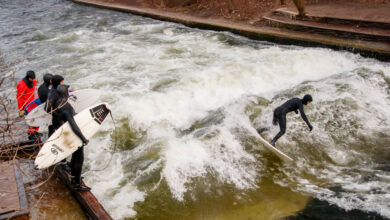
{"points": [[63, 142], [79, 100], [276, 151]]}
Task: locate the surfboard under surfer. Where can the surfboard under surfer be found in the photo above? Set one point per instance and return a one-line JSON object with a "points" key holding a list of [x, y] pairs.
{"points": [[280, 113]]}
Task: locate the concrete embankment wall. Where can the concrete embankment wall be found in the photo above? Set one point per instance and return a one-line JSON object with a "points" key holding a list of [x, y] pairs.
{"points": [[250, 31]]}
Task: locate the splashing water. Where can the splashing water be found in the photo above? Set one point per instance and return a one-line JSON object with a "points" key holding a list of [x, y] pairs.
{"points": [[187, 103]]}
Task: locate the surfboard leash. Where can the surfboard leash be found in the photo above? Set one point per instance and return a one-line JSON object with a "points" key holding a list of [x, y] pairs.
{"points": [[112, 152]]}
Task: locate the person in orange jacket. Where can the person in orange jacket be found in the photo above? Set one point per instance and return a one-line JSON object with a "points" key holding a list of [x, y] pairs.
{"points": [[26, 94]]}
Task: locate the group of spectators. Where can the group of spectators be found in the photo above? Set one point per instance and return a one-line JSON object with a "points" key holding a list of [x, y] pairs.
{"points": [[54, 94]]}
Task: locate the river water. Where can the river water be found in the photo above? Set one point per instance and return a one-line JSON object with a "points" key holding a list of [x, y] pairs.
{"points": [[186, 103]]}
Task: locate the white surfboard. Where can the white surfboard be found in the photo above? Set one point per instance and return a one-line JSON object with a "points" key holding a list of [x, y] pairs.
{"points": [[63, 142], [276, 151], [79, 99]]}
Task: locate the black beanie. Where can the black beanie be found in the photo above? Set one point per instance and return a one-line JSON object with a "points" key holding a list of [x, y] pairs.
{"points": [[30, 74], [47, 77], [56, 80], [307, 98]]}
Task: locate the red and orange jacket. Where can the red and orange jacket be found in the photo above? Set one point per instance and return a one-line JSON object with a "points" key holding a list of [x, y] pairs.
{"points": [[25, 94]]}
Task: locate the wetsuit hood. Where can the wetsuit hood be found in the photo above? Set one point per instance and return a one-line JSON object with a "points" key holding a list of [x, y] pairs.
{"points": [[307, 98], [29, 75], [62, 96], [56, 80], [63, 91], [47, 78]]}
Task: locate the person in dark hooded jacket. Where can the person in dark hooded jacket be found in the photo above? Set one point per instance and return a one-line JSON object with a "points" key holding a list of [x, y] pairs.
{"points": [[280, 113], [64, 112], [52, 97], [43, 90]]}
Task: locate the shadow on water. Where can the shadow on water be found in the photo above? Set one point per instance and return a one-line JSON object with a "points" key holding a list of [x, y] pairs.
{"points": [[318, 209]]}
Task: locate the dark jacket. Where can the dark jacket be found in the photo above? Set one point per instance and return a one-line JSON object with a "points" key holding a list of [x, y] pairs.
{"points": [[53, 95], [43, 90]]}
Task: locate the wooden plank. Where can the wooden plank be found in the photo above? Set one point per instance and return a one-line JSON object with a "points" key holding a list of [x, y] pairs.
{"points": [[9, 198], [86, 199], [15, 188]]}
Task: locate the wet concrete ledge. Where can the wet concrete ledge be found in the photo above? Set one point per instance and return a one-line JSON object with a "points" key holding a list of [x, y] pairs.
{"points": [[287, 37], [93, 209]]}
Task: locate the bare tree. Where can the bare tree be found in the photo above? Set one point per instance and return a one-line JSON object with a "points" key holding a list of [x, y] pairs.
{"points": [[14, 148], [12, 127]]}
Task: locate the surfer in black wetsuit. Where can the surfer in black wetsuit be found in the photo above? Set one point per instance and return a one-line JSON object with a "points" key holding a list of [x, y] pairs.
{"points": [[280, 112], [52, 97], [43, 90], [64, 112]]}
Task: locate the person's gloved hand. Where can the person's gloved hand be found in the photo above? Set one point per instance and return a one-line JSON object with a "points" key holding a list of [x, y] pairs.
{"points": [[21, 113], [85, 142], [310, 127]]}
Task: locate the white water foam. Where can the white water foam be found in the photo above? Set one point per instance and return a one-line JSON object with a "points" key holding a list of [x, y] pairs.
{"points": [[348, 109], [164, 81], [224, 75]]}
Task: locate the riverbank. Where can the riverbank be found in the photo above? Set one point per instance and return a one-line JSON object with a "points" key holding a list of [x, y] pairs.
{"points": [[255, 27]]}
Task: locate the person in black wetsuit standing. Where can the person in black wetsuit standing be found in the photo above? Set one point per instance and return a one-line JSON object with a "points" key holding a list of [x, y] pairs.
{"points": [[64, 112], [52, 97], [43, 90], [280, 113]]}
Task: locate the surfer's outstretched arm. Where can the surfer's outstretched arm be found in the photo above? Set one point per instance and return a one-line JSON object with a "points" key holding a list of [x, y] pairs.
{"points": [[303, 115]]}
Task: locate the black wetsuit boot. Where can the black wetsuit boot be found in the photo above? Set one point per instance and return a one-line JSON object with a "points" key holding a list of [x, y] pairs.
{"points": [[261, 130], [76, 165]]}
